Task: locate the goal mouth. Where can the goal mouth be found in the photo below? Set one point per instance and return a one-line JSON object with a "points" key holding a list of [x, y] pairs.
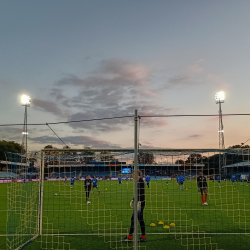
{"points": [[57, 209]]}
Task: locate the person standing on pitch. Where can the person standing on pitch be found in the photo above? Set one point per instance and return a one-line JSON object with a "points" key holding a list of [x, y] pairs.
{"points": [[202, 185], [87, 186], [140, 208], [218, 179], [233, 179], [72, 182], [24, 180], [65, 180], [95, 181], [241, 180], [147, 179], [120, 180], [181, 180]]}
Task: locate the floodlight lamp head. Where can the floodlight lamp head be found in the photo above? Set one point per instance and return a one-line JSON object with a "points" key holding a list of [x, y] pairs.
{"points": [[219, 97], [25, 100]]}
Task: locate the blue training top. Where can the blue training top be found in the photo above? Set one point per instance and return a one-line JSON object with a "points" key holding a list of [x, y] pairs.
{"points": [[72, 180], [147, 179], [119, 179], [95, 181], [181, 178], [233, 178]]}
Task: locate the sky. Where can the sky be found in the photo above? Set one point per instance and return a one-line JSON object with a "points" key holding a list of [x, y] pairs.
{"points": [[101, 59]]}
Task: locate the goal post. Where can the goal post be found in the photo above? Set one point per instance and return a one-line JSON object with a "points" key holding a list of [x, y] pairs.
{"points": [[57, 210], [173, 208]]}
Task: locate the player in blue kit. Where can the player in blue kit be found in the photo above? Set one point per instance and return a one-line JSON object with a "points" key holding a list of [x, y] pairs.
{"points": [[120, 180], [241, 180], [181, 180], [127, 179], [65, 180], [218, 179], [24, 180], [147, 179], [233, 179], [95, 181], [177, 178], [72, 182]]}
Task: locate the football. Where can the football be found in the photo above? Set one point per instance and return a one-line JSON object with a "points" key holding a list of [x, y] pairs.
{"points": [[55, 194], [88, 202]]}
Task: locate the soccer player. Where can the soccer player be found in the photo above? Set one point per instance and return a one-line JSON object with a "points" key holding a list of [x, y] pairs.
{"points": [[218, 179], [177, 178], [24, 180], [181, 180], [72, 182], [127, 179], [65, 180], [241, 180], [233, 179], [87, 186], [95, 181], [202, 185], [120, 180], [147, 179], [140, 208]]}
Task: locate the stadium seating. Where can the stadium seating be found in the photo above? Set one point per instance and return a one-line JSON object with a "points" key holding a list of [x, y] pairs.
{"points": [[7, 175]]}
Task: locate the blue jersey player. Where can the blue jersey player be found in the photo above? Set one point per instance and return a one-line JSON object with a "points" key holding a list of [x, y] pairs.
{"points": [[65, 180], [181, 180], [241, 180], [218, 179], [120, 180], [72, 182], [24, 180], [233, 179], [147, 179], [95, 181]]}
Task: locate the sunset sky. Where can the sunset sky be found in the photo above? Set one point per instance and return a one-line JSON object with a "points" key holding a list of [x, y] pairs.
{"points": [[94, 59]]}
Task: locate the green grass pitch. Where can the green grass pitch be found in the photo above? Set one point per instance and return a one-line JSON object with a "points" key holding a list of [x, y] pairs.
{"points": [[223, 224]]}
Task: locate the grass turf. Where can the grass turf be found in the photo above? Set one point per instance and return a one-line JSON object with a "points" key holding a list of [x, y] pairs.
{"points": [[223, 224]]}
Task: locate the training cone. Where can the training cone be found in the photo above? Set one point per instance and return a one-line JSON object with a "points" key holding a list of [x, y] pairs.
{"points": [[106, 189], [166, 227], [152, 225], [160, 222], [172, 224]]}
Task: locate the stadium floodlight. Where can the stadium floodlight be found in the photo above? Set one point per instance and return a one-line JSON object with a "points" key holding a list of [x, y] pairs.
{"points": [[220, 97], [25, 100]]}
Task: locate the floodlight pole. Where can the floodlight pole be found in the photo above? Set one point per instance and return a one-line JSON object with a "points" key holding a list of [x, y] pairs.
{"points": [[221, 137], [25, 134], [135, 182]]}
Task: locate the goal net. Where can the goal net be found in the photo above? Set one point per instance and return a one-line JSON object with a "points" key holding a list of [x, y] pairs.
{"points": [[22, 200], [178, 213]]}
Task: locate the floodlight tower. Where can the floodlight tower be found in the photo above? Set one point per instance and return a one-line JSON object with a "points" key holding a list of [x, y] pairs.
{"points": [[219, 98], [25, 101]]}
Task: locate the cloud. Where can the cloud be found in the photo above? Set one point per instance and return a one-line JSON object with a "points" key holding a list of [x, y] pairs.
{"points": [[113, 72], [57, 94], [186, 77], [11, 133], [46, 106], [116, 88], [76, 141], [217, 80], [195, 136]]}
